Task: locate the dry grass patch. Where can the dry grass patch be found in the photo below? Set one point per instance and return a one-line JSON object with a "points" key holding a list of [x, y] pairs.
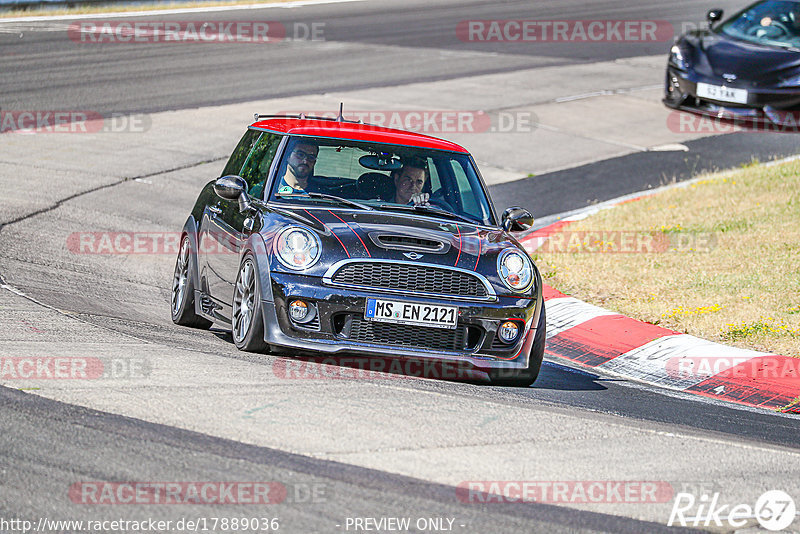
{"points": [[718, 259]]}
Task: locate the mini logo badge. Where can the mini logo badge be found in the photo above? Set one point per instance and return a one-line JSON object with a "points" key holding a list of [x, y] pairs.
{"points": [[412, 255], [729, 77]]}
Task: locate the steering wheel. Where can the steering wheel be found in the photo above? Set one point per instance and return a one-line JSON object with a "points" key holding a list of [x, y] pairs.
{"points": [[438, 200], [769, 31]]}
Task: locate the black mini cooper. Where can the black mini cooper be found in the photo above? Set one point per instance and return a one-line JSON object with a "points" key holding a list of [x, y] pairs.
{"points": [[334, 237]]}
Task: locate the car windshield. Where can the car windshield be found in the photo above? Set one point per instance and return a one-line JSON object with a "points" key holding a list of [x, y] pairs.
{"points": [[774, 22], [365, 175]]}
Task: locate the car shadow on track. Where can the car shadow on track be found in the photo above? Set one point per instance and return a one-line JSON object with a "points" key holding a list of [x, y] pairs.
{"points": [[293, 365], [560, 377]]}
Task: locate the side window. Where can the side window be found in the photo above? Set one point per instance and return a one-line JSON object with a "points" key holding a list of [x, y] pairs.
{"points": [[435, 182], [468, 202], [241, 152], [256, 168]]}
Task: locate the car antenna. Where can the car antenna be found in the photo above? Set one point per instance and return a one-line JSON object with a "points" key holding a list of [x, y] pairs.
{"points": [[340, 118]]}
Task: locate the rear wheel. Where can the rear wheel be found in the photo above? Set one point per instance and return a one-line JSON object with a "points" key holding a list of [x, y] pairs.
{"points": [[183, 289], [248, 320], [525, 377]]}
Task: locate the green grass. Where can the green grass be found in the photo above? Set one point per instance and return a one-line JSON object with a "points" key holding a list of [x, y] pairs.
{"points": [[730, 272]]}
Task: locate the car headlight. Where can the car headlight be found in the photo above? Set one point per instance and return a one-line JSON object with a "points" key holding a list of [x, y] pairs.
{"points": [[676, 57], [515, 270], [792, 81], [297, 248]]}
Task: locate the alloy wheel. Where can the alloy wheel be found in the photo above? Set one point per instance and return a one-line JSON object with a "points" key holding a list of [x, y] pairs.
{"points": [[244, 298], [181, 277]]}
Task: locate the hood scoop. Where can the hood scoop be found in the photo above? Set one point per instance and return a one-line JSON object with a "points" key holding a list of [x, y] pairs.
{"points": [[416, 243]]}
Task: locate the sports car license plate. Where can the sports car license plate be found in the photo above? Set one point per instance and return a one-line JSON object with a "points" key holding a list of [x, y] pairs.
{"points": [[395, 311], [723, 94]]}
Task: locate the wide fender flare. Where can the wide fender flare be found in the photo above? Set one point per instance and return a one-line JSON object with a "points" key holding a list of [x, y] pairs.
{"points": [[539, 298], [190, 230], [262, 255]]}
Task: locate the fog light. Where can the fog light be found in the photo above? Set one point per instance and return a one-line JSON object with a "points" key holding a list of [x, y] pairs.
{"points": [[298, 310], [508, 331]]}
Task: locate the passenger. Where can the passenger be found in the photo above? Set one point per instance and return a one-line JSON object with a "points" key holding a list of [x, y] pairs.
{"points": [[299, 168]]}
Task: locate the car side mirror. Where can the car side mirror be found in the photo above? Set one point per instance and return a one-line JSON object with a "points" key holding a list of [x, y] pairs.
{"points": [[714, 16], [230, 187], [517, 219], [233, 187]]}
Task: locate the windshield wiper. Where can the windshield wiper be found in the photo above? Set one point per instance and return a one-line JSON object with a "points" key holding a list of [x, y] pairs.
{"points": [[326, 196], [429, 209]]}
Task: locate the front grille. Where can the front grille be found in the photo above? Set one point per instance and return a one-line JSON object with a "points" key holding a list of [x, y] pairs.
{"points": [[356, 328], [410, 278]]}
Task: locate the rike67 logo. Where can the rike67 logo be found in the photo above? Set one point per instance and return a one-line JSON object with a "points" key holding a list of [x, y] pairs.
{"points": [[775, 510]]}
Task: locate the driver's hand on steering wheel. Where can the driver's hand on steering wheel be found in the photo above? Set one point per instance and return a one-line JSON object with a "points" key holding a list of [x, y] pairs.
{"points": [[420, 199]]}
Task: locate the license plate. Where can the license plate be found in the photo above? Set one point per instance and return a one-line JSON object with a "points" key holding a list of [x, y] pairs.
{"points": [[723, 94], [395, 311]]}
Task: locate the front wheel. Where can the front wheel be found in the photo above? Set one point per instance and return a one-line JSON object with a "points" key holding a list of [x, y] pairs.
{"points": [[525, 377], [673, 96], [248, 320], [183, 289]]}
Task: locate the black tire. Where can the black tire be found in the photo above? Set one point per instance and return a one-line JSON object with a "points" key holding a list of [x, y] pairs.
{"points": [[248, 334], [525, 377], [673, 97], [183, 284]]}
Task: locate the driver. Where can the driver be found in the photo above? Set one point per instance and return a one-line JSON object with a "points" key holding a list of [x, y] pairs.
{"points": [[409, 181], [299, 168]]}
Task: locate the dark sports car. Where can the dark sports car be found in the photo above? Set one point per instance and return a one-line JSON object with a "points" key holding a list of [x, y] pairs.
{"points": [[335, 237], [747, 67]]}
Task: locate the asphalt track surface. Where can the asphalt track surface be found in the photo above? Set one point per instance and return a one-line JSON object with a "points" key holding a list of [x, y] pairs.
{"points": [[144, 451], [366, 44], [47, 445]]}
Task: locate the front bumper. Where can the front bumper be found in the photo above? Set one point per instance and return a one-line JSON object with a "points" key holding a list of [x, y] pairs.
{"points": [[765, 106], [340, 313]]}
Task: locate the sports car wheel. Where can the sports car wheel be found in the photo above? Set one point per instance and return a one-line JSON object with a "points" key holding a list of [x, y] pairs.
{"points": [[525, 377], [183, 289], [673, 96], [248, 320]]}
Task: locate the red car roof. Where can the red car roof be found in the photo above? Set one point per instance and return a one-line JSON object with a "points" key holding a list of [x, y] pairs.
{"points": [[355, 132]]}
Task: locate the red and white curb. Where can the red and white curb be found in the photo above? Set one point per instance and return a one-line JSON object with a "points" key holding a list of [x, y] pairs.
{"points": [[605, 340]]}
